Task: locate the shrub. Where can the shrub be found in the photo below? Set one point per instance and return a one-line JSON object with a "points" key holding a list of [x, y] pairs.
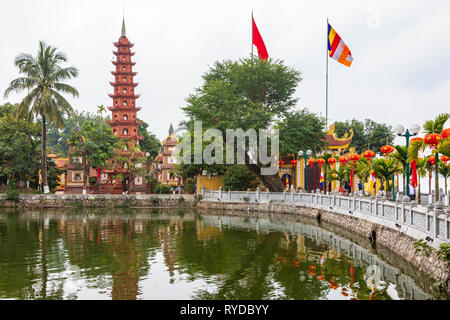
{"points": [[155, 200], [444, 252], [189, 186], [239, 177], [162, 189], [12, 193], [92, 180]]}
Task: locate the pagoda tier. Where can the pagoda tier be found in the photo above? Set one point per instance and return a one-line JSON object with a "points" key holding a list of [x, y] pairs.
{"points": [[123, 62], [133, 84], [121, 95], [128, 73], [123, 53], [129, 44], [122, 122], [118, 108]]}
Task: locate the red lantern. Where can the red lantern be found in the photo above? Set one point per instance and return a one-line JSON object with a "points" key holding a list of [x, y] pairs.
{"points": [[355, 157], [311, 161], [281, 162], [368, 154], [445, 159], [387, 149], [343, 160], [432, 139], [332, 160], [432, 160], [445, 133], [294, 162], [416, 139], [321, 161]]}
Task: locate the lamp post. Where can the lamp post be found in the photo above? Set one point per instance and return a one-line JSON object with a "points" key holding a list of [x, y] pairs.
{"points": [[305, 155], [147, 154], [412, 131]]}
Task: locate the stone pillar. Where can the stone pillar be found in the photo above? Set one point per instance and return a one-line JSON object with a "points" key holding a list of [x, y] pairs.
{"points": [[284, 195], [267, 194], [405, 202], [319, 194], [430, 208], [257, 194], [229, 193], [220, 192], [377, 199], [203, 191], [438, 211]]}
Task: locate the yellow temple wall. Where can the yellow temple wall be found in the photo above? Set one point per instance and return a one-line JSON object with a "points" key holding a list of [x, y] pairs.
{"points": [[209, 182]]}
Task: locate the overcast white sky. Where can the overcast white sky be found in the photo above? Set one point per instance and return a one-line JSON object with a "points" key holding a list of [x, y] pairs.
{"points": [[400, 72]]}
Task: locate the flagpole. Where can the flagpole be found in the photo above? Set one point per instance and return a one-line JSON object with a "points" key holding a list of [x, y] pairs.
{"points": [[326, 95], [251, 42]]}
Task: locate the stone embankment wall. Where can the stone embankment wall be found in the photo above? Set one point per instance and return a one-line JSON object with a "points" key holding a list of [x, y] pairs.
{"points": [[397, 242], [100, 200]]}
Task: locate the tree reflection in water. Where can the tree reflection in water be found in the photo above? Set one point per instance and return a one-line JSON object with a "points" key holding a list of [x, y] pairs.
{"points": [[116, 252]]}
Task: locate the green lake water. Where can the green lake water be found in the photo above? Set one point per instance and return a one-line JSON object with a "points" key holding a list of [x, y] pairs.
{"points": [[184, 254]]}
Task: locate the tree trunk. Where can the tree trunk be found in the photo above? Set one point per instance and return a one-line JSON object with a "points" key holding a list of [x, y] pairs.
{"points": [[418, 193], [44, 155], [273, 182], [436, 177], [85, 177], [403, 179]]}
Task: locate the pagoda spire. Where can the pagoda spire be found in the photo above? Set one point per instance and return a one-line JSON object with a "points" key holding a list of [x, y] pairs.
{"points": [[123, 28], [170, 129]]}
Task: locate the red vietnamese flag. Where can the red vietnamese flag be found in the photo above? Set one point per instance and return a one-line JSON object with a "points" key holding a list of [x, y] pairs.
{"points": [[258, 42]]}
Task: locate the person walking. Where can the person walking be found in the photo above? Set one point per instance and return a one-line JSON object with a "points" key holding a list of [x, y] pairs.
{"points": [[412, 192]]}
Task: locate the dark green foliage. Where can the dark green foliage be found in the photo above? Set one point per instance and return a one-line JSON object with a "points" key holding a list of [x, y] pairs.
{"points": [[162, 189], [92, 180], [150, 143], [367, 135], [301, 130], [11, 192], [239, 177], [189, 185]]}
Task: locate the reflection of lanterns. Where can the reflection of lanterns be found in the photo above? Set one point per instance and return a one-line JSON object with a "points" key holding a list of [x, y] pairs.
{"points": [[343, 160], [432, 139], [387, 149], [445, 133], [321, 161], [332, 160], [355, 157], [294, 162], [311, 161], [445, 159], [368, 154], [432, 160]]}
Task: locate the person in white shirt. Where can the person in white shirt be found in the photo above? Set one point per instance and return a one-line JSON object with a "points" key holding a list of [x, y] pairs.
{"points": [[412, 192]]}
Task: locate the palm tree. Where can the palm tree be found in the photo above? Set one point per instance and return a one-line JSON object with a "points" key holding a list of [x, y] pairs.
{"points": [[43, 78], [421, 172], [100, 110], [341, 174], [444, 170], [400, 155], [362, 169], [384, 169], [432, 126]]}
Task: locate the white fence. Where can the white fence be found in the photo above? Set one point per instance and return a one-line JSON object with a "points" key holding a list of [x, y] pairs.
{"points": [[432, 221]]}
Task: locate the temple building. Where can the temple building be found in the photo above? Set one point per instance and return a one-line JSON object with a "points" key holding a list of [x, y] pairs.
{"points": [[165, 161]]}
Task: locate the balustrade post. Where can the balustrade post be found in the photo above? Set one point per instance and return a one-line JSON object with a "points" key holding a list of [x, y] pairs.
{"points": [[267, 194], [377, 198], [220, 192], [319, 194], [257, 194], [438, 211], [292, 195], [405, 201], [229, 193], [203, 191], [430, 208]]}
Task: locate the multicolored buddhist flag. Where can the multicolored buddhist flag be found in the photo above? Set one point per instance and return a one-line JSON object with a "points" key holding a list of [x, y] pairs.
{"points": [[337, 49], [321, 178], [40, 177], [373, 180]]}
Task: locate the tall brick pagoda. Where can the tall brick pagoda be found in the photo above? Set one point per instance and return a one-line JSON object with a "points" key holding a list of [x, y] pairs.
{"points": [[124, 121], [124, 111]]}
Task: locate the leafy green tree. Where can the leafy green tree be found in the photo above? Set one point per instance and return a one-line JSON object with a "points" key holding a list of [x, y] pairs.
{"points": [[239, 177], [43, 78], [96, 144], [341, 174], [150, 143], [301, 130], [366, 135], [363, 169], [421, 172], [19, 148], [246, 94]]}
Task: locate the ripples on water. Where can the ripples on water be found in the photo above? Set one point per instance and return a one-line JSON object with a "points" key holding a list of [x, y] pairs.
{"points": [[142, 254]]}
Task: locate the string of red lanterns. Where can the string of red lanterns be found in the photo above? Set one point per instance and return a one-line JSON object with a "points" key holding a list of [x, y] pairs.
{"points": [[432, 140], [368, 154]]}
